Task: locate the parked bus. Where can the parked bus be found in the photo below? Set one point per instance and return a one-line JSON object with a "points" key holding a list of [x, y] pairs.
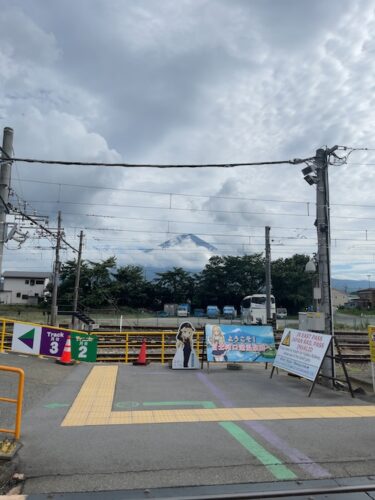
{"points": [[253, 309]]}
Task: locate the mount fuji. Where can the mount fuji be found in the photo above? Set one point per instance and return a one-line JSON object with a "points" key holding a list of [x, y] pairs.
{"points": [[190, 241]]}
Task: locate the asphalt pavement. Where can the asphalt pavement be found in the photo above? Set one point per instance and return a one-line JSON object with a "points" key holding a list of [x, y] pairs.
{"points": [[41, 375], [56, 458]]}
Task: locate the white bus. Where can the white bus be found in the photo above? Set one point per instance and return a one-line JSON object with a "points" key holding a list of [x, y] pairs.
{"points": [[253, 309]]}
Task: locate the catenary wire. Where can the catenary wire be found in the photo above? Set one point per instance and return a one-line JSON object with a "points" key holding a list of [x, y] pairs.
{"points": [[191, 195], [165, 193]]}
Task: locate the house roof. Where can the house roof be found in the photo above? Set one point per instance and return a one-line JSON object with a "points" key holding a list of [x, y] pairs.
{"points": [[26, 274]]}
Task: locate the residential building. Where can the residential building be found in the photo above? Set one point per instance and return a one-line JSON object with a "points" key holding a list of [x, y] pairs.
{"points": [[339, 298], [354, 302], [23, 287], [367, 298]]}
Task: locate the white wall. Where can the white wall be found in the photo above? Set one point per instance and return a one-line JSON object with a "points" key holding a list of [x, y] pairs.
{"points": [[19, 286], [338, 298], [5, 297]]}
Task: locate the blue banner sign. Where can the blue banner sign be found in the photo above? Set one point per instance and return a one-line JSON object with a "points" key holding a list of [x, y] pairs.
{"points": [[239, 344]]}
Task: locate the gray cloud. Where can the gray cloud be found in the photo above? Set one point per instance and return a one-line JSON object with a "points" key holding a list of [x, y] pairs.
{"points": [[189, 81]]}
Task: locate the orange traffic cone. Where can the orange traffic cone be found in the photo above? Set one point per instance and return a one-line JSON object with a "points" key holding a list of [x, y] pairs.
{"points": [[141, 360], [66, 358]]}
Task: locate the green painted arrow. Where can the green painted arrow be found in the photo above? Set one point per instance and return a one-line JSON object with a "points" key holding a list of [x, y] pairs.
{"points": [[203, 404], [273, 464], [56, 405], [127, 405], [134, 404]]}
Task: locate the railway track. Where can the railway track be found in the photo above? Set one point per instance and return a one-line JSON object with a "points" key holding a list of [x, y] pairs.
{"points": [[112, 346]]}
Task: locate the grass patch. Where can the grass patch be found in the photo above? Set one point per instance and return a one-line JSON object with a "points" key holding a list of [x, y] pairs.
{"points": [[357, 312]]}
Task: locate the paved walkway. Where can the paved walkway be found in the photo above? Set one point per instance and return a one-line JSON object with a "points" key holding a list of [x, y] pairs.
{"points": [[107, 427], [93, 406]]}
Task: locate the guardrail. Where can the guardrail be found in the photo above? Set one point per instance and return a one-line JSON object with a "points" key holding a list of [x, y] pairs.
{"points": [[124, 346], [21, 381], [120, 346]]}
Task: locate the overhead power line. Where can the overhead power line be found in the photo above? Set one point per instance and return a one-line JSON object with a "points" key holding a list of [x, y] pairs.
{"points": [[164, 193], [169, 221], [173, 208], [210, 223], [302, 241], [361, 164], [152, 207], [349, 148], [200, 223], [295, 161], [45, 229], [188, 195]]}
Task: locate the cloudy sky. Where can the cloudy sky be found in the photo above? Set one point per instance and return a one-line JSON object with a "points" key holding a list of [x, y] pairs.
{"points": [[193, 81]]}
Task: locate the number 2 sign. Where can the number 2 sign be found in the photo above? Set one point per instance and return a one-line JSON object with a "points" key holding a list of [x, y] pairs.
{"points": [[84, 347]]}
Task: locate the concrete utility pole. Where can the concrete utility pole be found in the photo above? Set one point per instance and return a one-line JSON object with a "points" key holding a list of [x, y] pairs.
{"points": [[268, 274], [78, 272], [5, 172], [324, 250], [56, 273]]}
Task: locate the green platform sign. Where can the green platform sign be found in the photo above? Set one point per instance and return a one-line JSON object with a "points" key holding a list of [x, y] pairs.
{"points": [[84, 347]]}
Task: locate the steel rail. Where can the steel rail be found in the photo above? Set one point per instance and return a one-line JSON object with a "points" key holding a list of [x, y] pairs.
{"points": [[333, 490]]}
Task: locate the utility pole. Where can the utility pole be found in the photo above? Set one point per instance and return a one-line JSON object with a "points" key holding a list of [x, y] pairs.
{"points": [[5, 172], [56, 272], [324, 251], [268, 274], [78, 272]]}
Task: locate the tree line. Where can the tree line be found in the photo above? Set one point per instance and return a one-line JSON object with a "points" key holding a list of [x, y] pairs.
{"points": [[225, 280]]}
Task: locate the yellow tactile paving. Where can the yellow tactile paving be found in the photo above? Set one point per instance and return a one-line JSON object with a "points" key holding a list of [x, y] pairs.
{"points": [[93, 406], [219, 415]]}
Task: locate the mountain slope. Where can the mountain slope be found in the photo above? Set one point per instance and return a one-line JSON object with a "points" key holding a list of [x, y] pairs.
{"points": [[185, 241], [350, 285]]}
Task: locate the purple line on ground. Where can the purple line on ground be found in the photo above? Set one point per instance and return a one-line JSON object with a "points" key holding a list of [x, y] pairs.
{"points": [[302, 460], [216, 391], [153, 373]]}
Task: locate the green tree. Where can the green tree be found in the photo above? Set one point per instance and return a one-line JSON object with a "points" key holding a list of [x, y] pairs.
{"points": [[227, 279], [210, 283], [176, 285], [67, 281], [96, 288], [132, 289], [291, 285]]}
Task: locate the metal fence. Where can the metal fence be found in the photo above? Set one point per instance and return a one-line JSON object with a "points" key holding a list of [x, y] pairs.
{"points": [[125, 346], [119, 346]]}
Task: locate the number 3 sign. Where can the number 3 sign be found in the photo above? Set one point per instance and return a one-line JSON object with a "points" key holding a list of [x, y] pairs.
{"points": [[53, 341]]}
